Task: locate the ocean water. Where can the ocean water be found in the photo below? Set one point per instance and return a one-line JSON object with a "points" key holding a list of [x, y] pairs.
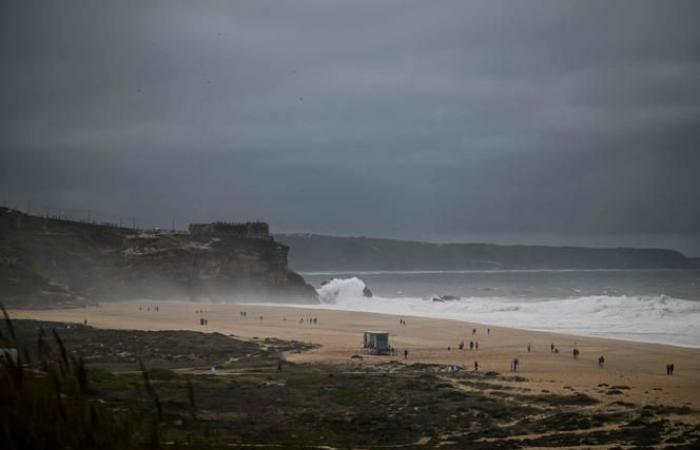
{"points": [[660, 306]]}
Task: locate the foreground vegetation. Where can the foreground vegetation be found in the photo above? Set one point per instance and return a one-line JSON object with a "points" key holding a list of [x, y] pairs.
{"points": [[84, 388]]}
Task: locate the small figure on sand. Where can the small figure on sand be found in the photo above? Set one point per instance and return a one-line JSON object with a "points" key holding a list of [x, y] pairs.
{"points": [[473, 331], [471, 345], [514, 365], [461, 345], [488, 331], [405, 354], [576, 353], [85, 322], [551, 348], [449, 348], [315, 321], [601, 361], [476, 345], [476, 366], [528, 348], [669, 369]]}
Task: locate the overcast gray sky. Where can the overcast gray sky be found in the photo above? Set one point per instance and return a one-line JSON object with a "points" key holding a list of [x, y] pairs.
{"points": [[519, 121]]}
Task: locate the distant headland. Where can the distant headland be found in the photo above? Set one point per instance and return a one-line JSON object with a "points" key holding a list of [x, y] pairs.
{"points": [[311, 252]]}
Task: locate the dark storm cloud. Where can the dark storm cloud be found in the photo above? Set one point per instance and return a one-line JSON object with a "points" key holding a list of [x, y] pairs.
{"points": [[385, 118]]}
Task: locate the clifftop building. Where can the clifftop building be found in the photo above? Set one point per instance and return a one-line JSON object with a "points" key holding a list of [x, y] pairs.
{"points": [[248, 230]]}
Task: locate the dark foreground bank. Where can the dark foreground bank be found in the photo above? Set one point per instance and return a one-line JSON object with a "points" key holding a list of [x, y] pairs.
{"points": [[79, 387]]}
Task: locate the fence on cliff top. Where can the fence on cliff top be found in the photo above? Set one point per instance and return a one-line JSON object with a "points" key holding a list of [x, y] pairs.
{"points": [[87, 216]]}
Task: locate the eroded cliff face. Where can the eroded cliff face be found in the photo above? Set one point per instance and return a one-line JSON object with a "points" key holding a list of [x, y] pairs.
{"points": [[49, 261]]}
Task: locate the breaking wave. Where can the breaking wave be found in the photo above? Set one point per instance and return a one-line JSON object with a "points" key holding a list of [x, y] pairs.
{"points": [[657, 319]]}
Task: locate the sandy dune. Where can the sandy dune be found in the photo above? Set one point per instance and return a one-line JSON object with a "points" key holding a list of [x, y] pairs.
{"points": [[638, 368]]}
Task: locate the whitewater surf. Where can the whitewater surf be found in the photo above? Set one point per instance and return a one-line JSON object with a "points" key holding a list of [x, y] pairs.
{"points": [[655, 319]]}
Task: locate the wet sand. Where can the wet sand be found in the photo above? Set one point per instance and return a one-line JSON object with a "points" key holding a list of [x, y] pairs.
{"points": [[637, 369]]}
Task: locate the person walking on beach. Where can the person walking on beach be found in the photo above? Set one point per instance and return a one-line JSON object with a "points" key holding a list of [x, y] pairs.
{"points": [[576, 353], [601, 362], [551, 348], [476, 366], [405, 354], [471, 345], [514, 365], [528, 348], [669, 369], [488, 331]]}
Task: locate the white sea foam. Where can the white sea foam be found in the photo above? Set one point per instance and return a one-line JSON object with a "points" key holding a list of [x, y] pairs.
{"points": [[658, 319]]}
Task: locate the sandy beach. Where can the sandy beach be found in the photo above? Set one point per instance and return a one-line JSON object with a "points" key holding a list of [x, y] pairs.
{"points": [[635, 370]]}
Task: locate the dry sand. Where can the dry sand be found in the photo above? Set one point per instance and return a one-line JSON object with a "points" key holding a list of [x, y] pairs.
{"points": [[638, 366]]}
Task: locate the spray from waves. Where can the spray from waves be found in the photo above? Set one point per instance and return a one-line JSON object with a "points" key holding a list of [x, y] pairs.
{"points": [[658, 319], [341, 289]]}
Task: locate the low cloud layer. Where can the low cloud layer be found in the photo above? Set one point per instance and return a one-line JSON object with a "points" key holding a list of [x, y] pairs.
{"points": [[404, 119]]}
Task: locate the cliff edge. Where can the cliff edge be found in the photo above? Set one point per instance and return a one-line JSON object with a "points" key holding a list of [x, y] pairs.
{"points": [[50, 262]]}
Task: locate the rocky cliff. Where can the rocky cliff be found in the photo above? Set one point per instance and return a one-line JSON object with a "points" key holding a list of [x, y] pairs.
{"points": [[45, 261]]}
